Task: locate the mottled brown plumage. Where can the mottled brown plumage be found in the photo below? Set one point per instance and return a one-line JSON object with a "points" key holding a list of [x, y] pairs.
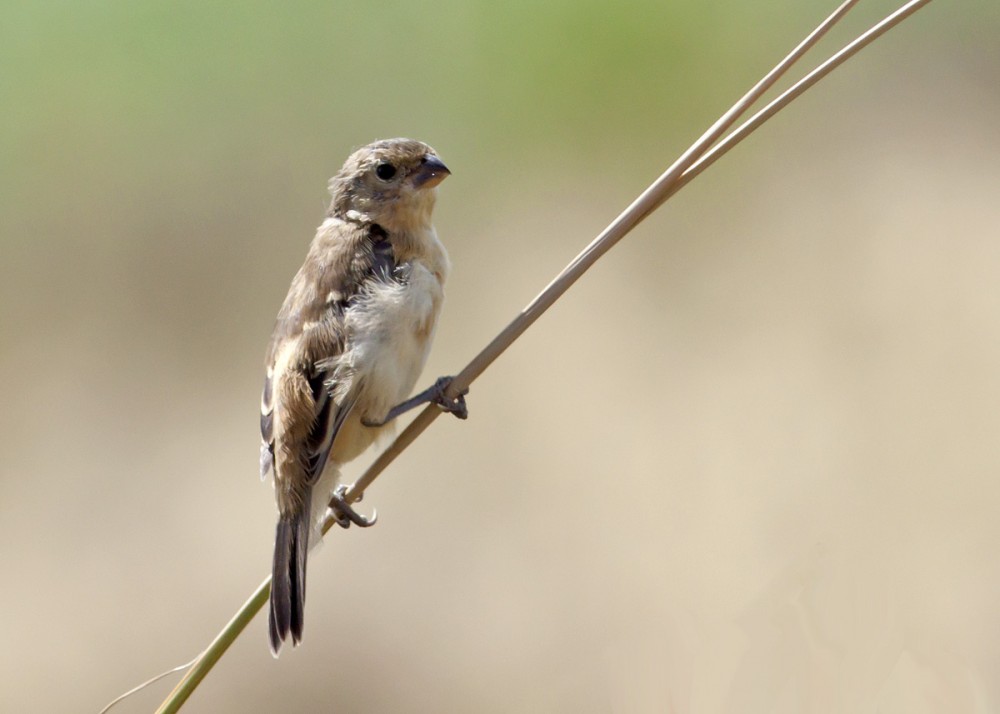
{"points": [[349, 343]]}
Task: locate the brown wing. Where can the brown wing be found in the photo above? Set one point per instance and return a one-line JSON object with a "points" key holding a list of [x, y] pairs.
{"points": [[343, 257]]}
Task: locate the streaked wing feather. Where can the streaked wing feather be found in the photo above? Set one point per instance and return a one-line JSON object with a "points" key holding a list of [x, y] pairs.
{"points": [[337, 269], [330, 417], [266, 427]]}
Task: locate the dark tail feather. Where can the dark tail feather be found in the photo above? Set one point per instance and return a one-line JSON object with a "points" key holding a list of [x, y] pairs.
{"points": [[288, 578]]}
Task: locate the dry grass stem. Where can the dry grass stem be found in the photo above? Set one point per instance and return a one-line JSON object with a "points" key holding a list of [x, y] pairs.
{"points": [[644, 205], [691, 163]]}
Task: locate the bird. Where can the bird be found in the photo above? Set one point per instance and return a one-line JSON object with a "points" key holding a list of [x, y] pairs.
{"points": [[348, 346]]}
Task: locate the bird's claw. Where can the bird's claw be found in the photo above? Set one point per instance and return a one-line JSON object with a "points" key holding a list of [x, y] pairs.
{"points": [[456, 406], [344, 514], [435, 394]]}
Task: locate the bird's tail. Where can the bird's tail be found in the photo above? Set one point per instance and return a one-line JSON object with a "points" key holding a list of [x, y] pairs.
{"points": [[288, 577]]}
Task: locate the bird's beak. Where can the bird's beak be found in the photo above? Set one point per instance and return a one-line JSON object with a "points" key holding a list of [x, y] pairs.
{"points": [[432, 171]]}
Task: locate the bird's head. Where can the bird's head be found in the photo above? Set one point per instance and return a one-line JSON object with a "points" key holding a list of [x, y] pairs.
{"points": [[391, 182]]}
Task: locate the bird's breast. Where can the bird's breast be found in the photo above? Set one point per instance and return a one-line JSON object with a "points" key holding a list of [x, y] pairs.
{"points": [[390, 330]]}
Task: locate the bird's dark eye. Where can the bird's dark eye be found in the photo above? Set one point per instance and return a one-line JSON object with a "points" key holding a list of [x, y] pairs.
{"points": [[385, 171]]}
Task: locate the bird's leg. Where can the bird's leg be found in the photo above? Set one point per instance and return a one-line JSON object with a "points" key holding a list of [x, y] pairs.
{"points": [[344, 514], [435, 394]]}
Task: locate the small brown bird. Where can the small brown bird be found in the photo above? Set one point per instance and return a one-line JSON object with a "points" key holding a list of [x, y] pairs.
{"points": [[350, 341]]}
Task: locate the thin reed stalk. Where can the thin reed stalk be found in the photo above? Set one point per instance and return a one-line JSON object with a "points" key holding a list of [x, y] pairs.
{"points": [[690, 164]]}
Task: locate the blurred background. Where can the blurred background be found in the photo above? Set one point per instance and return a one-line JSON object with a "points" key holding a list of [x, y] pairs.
{"points": [[748, 464]]}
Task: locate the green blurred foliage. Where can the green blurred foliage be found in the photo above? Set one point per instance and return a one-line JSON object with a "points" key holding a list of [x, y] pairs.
{"points": [[162, 131], [134, 98]]}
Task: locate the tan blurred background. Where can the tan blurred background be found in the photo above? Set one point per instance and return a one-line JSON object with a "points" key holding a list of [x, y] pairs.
{"points": [[748, 464]]}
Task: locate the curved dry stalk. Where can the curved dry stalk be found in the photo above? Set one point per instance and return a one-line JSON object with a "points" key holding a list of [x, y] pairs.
{"points": [[647, 202], [152, 680], [213, 653], [691, 163], [652, 198], [789, 95]]}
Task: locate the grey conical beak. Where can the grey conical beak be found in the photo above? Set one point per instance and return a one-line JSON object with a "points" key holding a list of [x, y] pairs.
{"points": [[432, 171]]}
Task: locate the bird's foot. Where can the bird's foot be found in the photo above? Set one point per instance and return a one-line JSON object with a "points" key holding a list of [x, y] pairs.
{"points": [[435, 394], [344, 514]]}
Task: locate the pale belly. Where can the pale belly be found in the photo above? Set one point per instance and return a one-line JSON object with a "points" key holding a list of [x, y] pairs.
{"points": [[391, 335], [390, 338]]}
